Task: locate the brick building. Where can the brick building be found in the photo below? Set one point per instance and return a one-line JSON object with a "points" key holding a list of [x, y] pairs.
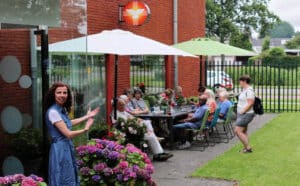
{"points": [[97, 15]]}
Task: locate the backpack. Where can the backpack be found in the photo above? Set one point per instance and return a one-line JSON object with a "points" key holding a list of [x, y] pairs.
{"points": [[258, 106]]}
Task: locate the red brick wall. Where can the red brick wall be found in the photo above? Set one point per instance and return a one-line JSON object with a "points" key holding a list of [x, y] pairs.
{"points": [[103, 15], [15, 44], [191, 23]]}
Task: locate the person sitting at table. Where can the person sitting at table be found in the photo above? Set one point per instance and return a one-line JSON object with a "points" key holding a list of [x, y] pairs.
{"points": [[129, 93], [139, 102], [131, 108], [212, 105], [201, 89], [218, 91], [178, 96], [224, 104], [156, 148], [193, 121]]}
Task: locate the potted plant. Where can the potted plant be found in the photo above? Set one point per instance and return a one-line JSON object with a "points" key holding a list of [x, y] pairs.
{"points": [[27, 144], [134, 130], [21, 180], [102, 132], [104, 162]]}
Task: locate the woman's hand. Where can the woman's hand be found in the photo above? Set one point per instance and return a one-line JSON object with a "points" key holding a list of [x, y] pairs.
{"points": [[88, 124], [92, 113]]}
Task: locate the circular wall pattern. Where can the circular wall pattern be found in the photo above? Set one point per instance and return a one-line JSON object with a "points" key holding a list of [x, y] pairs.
{"points": [[12, 165], [11, 119], [25, 81], [10, 69], [27, 120]]}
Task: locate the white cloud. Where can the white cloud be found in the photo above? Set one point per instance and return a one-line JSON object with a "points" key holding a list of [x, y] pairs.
{"points": [[287, 10]]}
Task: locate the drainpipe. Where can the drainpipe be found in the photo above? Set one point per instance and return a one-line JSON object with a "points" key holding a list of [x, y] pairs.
{"points": [[175, 39]]}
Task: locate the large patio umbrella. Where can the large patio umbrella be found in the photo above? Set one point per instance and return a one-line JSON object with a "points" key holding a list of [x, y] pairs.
{"points": [[208, 47], [116, 42]]}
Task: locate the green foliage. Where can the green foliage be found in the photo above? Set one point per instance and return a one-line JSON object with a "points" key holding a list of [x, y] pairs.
{"points": [[282, 30], [223, 17], [293, 43], [28, 143], [240, 40], [266, 44], [152, 99], [259, 74], [277, 52], [275, 160], [282, 61]]}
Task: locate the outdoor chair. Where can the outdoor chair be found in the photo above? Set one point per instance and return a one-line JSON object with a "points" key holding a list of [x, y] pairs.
{"points": [[198, 136], [213, 128], [227, 126]]}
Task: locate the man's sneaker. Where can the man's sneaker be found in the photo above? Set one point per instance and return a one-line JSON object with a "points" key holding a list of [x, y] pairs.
{"points": [[186, 145]]}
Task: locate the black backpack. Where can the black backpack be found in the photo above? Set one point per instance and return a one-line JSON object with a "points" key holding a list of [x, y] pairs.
{"points": [[258, 106]]}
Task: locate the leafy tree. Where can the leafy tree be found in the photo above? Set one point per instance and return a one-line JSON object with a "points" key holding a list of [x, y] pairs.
{"points": [[277, 52], [293, 43], [282, 30], [224, 16], [266, 44], [240, 40]]}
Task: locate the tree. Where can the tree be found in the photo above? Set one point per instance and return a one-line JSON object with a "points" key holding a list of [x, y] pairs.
{"points": [[224, 16], [266, 44], [277, 52], [293, 43], [282, 30], [240, 40]]}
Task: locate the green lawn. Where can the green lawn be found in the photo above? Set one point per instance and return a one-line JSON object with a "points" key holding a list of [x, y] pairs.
{"points": [[275, 160]]}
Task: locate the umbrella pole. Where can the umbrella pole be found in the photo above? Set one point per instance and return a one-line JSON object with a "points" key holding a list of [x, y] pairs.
{"points": [[115, 87]]}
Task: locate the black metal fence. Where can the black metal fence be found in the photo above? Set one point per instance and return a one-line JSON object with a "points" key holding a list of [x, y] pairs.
{"points": [[278, 85], [148, 70]]}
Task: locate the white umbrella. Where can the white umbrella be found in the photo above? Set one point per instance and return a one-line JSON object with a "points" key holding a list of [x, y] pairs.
{"points": [[117, 42]]}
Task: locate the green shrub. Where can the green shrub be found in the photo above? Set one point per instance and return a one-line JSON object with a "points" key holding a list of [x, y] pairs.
{"points": [[264, 75]]}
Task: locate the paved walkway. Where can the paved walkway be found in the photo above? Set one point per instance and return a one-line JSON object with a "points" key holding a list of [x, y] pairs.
{"points": [[176, 171]]}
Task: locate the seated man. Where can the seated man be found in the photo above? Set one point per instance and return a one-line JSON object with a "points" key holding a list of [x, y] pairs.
{"points": [[154, 144], [193, 121], [224, 104]]}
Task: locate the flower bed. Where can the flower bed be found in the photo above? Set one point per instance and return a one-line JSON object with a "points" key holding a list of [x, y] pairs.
{"points": [[107, 162], [21, 180]]}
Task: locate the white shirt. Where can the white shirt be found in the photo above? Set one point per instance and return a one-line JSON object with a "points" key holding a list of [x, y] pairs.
{"points": [[246, 94], [54, 116], [123, 115]]}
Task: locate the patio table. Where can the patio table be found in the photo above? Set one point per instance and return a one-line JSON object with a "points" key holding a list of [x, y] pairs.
{"points": [[170, 118]]}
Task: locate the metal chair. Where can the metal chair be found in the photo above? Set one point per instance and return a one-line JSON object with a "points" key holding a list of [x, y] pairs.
{"points": [[213, 124], [198, 135], [227, 126]]}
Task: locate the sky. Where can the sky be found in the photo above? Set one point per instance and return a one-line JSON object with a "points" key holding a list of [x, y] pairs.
{"points": [[287, 10]]}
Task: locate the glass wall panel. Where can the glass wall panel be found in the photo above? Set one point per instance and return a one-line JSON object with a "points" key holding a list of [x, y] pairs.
{"points": [[21, 144]]}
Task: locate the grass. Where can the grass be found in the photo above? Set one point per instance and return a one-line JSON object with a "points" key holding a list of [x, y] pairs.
{"points": [[149, 81], [275, 160]]}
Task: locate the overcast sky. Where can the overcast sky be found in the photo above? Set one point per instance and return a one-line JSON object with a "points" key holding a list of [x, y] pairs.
{"points": [[287, 10]]}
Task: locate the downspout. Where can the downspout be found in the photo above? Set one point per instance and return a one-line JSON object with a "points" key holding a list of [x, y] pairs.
{"points": [[175, 39]]}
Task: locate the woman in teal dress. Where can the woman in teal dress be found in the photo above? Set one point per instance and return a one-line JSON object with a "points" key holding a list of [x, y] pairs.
{"points": [[62, 163]]}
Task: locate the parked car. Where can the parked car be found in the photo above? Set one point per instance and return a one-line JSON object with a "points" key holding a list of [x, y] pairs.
{"points": [[216, 79]]}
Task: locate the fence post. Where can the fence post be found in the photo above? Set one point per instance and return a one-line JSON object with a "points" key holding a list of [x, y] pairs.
{"points": [[278, 96]]}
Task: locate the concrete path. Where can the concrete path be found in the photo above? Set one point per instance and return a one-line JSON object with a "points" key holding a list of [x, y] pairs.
{"points": [[176, 171]]}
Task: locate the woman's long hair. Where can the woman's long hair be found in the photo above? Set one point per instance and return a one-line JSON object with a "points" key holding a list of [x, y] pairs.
{"points": [[50, 96]]}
